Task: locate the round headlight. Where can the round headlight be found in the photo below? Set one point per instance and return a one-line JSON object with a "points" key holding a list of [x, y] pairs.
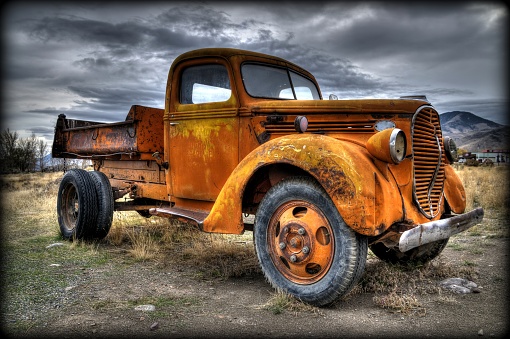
{"points": [[397, 145], [451, 149], [388, 145]]}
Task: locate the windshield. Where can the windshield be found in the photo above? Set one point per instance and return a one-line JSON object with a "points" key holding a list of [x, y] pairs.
{"points": [[264, 81]]}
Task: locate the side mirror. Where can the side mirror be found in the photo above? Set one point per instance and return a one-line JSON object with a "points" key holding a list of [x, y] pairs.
{"points": [[333, 97]]}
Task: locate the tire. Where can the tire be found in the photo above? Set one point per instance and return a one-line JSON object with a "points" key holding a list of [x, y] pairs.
{"points": [[414, 257], [303, 245], [76, 205], [105, 205]]}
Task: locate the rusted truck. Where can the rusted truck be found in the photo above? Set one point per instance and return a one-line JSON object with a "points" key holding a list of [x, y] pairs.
{"points": [[244, 133]]}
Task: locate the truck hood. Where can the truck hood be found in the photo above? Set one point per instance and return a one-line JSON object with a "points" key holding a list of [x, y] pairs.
{"points": [[390, 106]]}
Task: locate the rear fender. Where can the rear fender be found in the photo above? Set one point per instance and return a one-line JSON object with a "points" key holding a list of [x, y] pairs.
{"points": [[345, 170]]}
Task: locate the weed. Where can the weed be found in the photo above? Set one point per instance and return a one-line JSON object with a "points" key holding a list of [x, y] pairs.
{"points": [[401, 303], [281, 302], [455, 246]]}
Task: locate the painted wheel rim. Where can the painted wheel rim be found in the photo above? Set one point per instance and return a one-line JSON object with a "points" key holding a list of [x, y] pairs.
{"points": [[301, 242], [70, 206]]}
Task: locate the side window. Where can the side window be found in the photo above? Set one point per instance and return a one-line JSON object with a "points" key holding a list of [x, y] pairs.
{"points": [[205, 83]]}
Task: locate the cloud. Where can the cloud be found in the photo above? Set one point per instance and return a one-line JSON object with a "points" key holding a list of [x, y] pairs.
{"points": [[94, 61], [489, 108]]}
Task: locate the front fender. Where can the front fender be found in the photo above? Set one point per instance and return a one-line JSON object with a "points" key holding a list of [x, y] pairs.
{"points": [[345, 169], [454, 190]]}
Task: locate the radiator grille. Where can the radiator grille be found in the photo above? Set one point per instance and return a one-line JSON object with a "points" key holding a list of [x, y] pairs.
{"points": [[429, 158]]}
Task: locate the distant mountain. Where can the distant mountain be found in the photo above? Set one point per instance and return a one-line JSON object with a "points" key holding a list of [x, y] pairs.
{"points": [[462, 122], [474, 133]]}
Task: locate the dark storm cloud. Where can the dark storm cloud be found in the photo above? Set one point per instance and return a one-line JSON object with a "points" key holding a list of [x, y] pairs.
{"points": [[130, 49], [333, 73], [413, 29], [94, 61], [120, 38]]}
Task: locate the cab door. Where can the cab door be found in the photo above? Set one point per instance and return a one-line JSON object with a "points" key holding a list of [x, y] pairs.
{"points": [[203, 129]]}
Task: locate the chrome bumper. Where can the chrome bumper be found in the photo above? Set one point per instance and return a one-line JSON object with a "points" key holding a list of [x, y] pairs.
{"points": [[439, 229]]}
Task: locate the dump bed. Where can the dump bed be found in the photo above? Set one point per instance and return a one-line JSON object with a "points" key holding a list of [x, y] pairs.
{"points": [[136, 138]]}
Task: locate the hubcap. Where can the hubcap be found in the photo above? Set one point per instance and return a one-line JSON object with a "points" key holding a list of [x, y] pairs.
{"points": [[70, 206], [300, 242]]}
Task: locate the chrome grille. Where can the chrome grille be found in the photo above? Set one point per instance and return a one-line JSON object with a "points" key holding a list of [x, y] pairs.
{"points": [[429, 158]]}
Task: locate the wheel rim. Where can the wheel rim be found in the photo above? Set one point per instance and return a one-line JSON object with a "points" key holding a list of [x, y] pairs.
{"points": [[70, 206], [301, 243]]}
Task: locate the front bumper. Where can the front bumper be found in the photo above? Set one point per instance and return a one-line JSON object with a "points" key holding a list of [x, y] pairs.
{"points": [[439, 229]]}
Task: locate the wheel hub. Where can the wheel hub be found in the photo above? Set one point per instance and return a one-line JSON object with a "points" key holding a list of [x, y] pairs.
{"points": [[301, 242], [295, 243]]}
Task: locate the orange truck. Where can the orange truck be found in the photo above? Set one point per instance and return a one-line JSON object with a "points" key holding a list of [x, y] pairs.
{"points": [[245, 133]]}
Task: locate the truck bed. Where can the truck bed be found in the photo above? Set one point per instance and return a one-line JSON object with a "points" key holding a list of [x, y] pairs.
{"points": [[136, 138]]}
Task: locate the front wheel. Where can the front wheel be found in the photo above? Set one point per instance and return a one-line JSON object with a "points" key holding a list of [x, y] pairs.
{"points": [[303, 245]]}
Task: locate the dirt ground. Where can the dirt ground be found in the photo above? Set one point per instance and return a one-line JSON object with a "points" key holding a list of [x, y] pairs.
{"points": [[96, 305]]}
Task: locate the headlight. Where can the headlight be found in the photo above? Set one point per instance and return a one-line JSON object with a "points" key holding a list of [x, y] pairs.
{"points": [[388, 145], [397, 145], [451, 149]]}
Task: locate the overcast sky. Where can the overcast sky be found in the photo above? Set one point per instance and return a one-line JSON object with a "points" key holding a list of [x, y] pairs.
{"points": [[93, 61]]}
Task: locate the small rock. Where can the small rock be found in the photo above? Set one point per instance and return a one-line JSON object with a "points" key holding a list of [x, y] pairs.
{"points": [[54, 265], [145, 308], [55, 244], [154, 326], [480, 333], [459, 285]]}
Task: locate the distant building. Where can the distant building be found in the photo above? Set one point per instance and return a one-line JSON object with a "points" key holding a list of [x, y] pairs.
{"points": [[496, 155]]}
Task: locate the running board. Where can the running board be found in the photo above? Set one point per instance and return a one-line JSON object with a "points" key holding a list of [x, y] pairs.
{"points": [[172, 212]]}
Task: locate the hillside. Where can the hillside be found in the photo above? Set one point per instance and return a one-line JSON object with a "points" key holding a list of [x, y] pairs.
{"points": [[474, 133]]}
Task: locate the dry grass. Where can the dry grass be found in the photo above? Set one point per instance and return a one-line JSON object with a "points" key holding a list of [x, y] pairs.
{"points": [[486, 187], [281, 302], [29, 201], [397, 287], [29, 207], [401, 303], [176, 243]]}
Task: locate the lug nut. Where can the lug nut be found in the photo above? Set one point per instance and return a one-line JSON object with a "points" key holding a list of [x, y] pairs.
{"points": [[306, 250], [282, 245], [301, 231], [293, 258]]}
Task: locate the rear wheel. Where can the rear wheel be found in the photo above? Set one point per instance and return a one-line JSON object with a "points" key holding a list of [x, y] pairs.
{"points": [[76, 205], [303, 245], [105, 204]]}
